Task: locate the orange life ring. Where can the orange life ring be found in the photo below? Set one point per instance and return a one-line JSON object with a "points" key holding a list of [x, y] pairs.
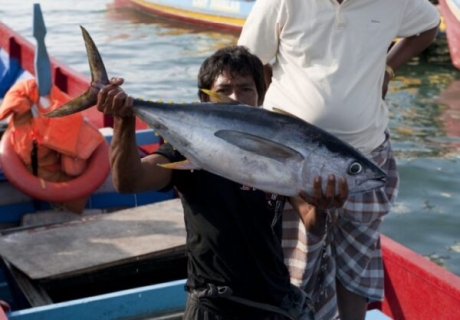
{"points": [[57, 192]]}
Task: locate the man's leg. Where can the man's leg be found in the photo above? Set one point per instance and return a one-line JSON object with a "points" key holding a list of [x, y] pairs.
{"points": [[356, 244], [352, 306]]}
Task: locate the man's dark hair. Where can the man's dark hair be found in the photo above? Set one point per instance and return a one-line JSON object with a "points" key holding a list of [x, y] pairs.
{"points": [[236, 61]]}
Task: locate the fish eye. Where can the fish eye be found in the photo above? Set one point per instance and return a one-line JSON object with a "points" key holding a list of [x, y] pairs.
{"points": [[355, 168]]}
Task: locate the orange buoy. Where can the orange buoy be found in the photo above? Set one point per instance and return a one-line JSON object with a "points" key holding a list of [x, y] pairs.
{"points": [[14, 169]]}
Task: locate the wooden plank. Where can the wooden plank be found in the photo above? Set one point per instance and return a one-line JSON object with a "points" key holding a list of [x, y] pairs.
{"points": [[49, 217], [161, 301], [97, 242], [34, 294], [137, 303]]}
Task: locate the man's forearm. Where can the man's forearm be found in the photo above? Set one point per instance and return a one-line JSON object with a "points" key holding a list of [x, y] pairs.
{"points": [[124, 156], [407, 48]]}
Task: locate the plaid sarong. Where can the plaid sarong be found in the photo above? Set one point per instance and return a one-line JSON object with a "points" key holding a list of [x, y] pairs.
{"points": [[350, 248]]}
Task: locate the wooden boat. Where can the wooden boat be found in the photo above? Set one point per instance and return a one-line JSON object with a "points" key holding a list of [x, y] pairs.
{"points": [[20, 211], [98, 256], [415, 288], [17, 63], [226, 15], [451, 13], [218, 14]]}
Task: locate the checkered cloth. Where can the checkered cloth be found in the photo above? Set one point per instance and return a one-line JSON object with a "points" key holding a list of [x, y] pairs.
{"points": [[350, 248]]}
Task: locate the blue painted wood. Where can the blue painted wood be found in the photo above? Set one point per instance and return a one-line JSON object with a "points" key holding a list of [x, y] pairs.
{"points": [[143, 137], [13, 213], [143, 301], [376, 315], [10, 70], [224, 8], [42, 61], [112, 199], [147, 300]]}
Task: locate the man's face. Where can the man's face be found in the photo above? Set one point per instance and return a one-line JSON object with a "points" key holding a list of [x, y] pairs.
{"points": [[239, 87]]}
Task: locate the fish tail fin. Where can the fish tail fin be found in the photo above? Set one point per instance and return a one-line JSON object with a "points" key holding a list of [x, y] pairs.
{"points": [[99, 78]]}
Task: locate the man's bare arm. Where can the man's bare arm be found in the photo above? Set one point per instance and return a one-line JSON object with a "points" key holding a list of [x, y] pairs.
{"points": [[130, 173], [407, 48]]}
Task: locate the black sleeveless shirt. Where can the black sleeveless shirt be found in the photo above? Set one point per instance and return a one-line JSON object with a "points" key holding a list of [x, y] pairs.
{"points": [[233, 236]]}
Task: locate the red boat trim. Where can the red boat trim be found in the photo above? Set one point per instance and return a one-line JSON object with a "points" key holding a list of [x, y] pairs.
{"points": [[417, 288], [452, 23]]}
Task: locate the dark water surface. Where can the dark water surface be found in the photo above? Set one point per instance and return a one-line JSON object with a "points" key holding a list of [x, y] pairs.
{"points": [[159, 59]]}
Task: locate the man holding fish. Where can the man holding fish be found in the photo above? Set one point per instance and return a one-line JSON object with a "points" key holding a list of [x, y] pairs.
{"points": [[331, 67], [223, 155], [236, 268]]}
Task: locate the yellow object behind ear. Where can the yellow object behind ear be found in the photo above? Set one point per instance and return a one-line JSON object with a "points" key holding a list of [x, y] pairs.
{"points": [[218, 97]]}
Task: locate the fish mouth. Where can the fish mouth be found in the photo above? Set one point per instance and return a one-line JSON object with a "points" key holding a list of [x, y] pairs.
{"points": [[381, 179], [377, 176], [373, 184], [370, 184]]}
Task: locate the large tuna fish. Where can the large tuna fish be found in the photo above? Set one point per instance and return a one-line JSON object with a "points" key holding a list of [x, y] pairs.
{"points": [[252, 146]]}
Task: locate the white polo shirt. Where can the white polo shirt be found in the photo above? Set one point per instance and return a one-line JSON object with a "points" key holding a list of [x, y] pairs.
{"points": [[330, 59]]}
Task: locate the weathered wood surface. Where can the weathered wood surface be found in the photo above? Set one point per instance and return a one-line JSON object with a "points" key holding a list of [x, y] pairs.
{"points": [[96, 242], [36, 296]]}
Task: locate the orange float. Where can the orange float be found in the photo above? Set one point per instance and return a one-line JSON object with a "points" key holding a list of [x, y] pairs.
{"points": [[16, 172]]}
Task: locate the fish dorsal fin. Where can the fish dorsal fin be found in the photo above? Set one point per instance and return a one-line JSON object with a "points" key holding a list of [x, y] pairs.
{"points": [[219, 97], [181, 165], [258, 145]]}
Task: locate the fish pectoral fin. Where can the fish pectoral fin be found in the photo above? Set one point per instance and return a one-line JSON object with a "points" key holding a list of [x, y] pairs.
{"points": [[181, 165], [219, 97], [258, 145]]}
